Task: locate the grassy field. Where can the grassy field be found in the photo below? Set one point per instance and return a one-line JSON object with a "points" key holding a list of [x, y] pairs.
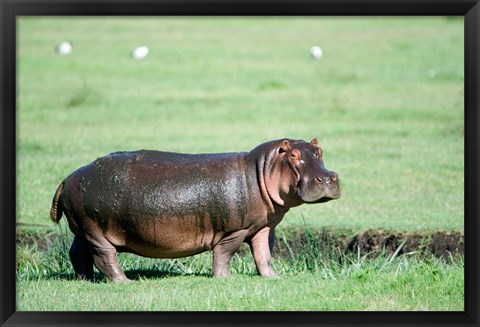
{"points": [[309, 282], [365, 289], [385, 102]]}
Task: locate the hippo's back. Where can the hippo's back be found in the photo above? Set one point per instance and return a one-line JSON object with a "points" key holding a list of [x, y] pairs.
{"points": [[142, 181]]}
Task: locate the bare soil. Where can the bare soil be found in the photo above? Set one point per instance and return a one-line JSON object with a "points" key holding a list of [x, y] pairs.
{"points": [[441, 244]]}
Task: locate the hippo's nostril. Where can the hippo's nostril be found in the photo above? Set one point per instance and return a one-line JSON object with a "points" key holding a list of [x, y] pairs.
{"points": [[334, 177], [319, 180]]}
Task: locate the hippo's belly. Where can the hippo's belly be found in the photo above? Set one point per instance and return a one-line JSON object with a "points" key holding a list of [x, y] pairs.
{"points": [[164, 238]]}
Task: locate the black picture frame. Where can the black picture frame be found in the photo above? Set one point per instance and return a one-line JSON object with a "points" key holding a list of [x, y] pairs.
{"points": [[10, 10]]}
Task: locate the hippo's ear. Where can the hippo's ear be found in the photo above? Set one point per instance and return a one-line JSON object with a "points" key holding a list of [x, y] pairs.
{"points": [[314, 142], [284, 147]]}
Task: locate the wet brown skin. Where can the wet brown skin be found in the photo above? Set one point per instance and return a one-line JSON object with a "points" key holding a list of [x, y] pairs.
{"points": [[169, 205]]}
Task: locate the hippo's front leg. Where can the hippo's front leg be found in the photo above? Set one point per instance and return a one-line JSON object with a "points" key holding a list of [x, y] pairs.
{"points": [[224, 250], [261, 245]]}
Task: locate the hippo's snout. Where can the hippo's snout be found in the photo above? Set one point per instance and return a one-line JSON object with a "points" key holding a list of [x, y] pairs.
{"points": [[329, 180], [332, 187], [325, 186]]}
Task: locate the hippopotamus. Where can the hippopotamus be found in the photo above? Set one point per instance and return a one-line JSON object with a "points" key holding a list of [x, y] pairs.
{"points": [[169, 205]]}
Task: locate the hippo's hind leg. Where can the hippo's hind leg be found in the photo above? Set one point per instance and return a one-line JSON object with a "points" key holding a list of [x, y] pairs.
{"points": [[105, 259], [81, 258]]}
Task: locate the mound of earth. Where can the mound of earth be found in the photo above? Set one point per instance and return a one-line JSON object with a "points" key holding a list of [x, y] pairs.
{"points": [[441, 244], [291, 242]]}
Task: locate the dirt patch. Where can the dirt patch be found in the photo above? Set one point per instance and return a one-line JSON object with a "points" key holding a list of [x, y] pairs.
{"points": [[440, 244], [40, 238], [446, 244], [328, 243], [371, 242]]}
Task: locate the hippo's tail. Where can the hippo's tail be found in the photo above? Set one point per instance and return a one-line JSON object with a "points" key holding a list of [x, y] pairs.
{"points": [[56, 211]]}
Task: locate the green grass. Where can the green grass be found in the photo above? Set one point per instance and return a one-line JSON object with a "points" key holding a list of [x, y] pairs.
{"points": [[309, 282], [358, 291], [385, 102]]}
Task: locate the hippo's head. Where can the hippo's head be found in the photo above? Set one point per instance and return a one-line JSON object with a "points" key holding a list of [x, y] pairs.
{"points": [[294, 173], [314, 183]]}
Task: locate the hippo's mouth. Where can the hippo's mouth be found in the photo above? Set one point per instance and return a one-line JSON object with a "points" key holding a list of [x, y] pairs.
{"points": [[324, 199], [327, 196]]}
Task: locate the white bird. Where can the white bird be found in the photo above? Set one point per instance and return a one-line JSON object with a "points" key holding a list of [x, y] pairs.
{"points": [[316, 52], [140, 52], [64, 48]]}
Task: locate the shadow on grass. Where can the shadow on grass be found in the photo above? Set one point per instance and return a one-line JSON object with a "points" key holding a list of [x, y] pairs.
{"points": [[133, 274], [138, 274]]}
